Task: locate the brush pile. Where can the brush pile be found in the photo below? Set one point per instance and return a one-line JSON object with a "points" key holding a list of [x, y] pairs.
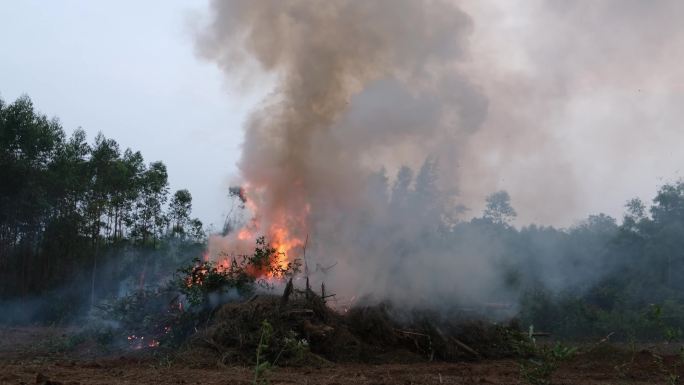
{"points": [[304, 330], [228, 311]]}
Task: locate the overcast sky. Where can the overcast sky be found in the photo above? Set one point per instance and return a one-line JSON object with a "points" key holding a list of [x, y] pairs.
{"points": [[129, 69]]}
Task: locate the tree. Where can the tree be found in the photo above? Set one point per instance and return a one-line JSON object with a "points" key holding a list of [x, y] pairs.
{"points": [[66, 206], [179, 213], [127, 187], [636, 214], [103, 169], [196, 233], [499, 209], [401, 188], [150, 220], [669, 203], [29, 142], [426, 191]]}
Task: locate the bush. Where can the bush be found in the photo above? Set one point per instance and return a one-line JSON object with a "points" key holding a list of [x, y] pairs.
{"points": [[239, 279], [161, 316]]}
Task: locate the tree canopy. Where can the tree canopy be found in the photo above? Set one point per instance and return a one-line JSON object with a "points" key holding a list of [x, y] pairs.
{"points": [[66, 203]]}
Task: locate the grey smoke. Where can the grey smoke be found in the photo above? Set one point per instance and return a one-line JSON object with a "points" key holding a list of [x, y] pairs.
{"points": [[488, 92], [583, 100]]}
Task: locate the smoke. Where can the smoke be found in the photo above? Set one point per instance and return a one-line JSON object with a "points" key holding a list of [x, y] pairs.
{"points": [[472, 96], [360, 86], [583, 102], [356, 82]]}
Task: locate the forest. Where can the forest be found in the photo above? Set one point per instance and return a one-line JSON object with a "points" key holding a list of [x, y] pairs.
{"points": [[81, 222]]}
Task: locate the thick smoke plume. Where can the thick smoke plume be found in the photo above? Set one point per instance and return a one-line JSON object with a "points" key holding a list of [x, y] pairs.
{"points": [[360, 86], [359, 83], [366, 87]]}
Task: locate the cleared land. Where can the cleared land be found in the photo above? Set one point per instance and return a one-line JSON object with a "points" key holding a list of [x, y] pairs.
{"points": [[33, 355]]}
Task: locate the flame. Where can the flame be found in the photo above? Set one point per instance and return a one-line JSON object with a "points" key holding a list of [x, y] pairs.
{"points": [[244, 234], [285, 244], [284, 228]]}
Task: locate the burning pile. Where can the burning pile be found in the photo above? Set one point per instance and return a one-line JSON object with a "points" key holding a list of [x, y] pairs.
{"points": [[360, 87], [285, 245], [237, 276], [304, 331], [169, 314], [225, 310]]}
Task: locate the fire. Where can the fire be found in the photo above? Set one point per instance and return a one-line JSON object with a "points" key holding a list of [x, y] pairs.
{"points": [[287, 248], [138, 342], [244, 234], [282, 228], [285, 244]]}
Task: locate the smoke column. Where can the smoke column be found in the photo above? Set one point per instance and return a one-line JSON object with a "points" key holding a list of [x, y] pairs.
{"points": [[360, 86], [471, 102]]}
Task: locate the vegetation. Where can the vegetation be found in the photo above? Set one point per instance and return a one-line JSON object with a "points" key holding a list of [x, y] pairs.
{"points": [[597, 277], [239, 275], [294, 347], [544, 360], [168, 314], [86, 221], [81, 219], [261, 367], [627, 272]]}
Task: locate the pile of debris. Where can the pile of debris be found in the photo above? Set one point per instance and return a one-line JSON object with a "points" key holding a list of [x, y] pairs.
{"points": [[299, 328]]}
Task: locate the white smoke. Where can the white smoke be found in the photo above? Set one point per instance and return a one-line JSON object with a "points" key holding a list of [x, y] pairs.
{"points": [[492, 100]]}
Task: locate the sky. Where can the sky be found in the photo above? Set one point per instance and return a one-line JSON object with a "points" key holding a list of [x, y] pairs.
{"points": [[590, 92], [602, 92], [128, 69]]}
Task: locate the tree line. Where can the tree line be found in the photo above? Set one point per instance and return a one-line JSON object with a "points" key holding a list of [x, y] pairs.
{"points": [[599, 276], [70, 208], [81, 221]]}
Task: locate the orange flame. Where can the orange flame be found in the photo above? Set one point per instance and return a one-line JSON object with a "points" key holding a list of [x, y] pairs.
{"points": [[281, 228], [280, 232], [285, 244]]}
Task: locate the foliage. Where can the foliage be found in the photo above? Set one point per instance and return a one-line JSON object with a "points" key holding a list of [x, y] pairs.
{"points": [[269, 341], [160, 315], [593, 278], [100, 217], [499, 209], [179, 212], [262, 367], [150, 316], [70, 209], [240, 276], [201, 278], [540, 367]]}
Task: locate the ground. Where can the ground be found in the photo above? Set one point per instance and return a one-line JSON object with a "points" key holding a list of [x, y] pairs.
{"points": [[38, 355]]}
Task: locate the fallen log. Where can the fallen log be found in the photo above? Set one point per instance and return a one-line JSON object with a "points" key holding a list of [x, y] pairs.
{"points": [[465, 347], [300, 313], [459, 343]]}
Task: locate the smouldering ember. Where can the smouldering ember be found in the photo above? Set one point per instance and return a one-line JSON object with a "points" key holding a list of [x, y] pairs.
{"points": [[139, 342]]}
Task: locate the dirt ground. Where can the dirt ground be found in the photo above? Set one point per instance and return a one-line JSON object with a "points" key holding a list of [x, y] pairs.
{"points": [[39, 356]]}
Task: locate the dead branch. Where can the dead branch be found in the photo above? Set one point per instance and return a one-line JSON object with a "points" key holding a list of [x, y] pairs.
{"points": [[465, 347], [287, 292]]}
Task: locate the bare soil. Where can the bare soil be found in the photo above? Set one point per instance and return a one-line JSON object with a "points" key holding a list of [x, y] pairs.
{"points": [[39, 355]]}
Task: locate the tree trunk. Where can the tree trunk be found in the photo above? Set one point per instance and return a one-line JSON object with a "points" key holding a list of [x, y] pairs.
{"points": [[94, 275]]}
